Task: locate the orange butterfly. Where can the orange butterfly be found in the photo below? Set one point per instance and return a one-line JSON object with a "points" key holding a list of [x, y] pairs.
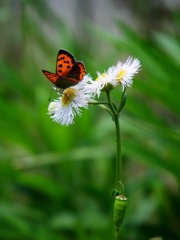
{"points": [[68, 71]]}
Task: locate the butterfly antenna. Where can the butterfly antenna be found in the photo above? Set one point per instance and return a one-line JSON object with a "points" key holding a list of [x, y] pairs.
{"points": [[51, 94]]}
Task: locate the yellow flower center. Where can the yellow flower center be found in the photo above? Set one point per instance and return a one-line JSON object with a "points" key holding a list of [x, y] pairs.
{"points": [[121, 75], [102, 75], [68, 96]]}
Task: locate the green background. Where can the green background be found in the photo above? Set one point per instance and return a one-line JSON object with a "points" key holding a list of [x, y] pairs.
{"points": [[56, 182]]}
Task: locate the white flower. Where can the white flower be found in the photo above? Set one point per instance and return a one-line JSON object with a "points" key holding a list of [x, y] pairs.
{"points": [[122, 73], [126, 71], [106, 79], [64, 109]]}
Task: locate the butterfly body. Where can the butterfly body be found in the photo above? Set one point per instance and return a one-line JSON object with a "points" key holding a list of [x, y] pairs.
{"points": [[68, 71]]}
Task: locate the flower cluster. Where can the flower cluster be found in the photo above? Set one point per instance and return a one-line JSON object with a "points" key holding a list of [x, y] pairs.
{"points": [[73, 99]]}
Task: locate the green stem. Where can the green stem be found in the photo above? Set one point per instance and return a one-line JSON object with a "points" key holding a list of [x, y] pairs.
{"points": [[103, 104], [99, 102], [114, 112], [122, 101], [120, 200], [118, 179]]}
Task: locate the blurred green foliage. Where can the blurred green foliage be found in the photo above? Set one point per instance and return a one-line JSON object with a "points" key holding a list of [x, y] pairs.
{"points": [[55, 181]]}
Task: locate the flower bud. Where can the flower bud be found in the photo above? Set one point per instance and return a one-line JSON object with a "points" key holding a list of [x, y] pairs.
{"points": [[108, 87], [120, 204]]}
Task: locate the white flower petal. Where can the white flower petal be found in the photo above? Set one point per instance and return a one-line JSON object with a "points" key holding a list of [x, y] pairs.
{"points": [[126, 71], [64, 109], [122, 73]]}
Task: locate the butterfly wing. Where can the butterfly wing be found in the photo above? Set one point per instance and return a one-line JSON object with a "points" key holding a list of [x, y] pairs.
{"points": [[65, 63], [51, 76], [75, 76], [68, 71], [77, 73]]}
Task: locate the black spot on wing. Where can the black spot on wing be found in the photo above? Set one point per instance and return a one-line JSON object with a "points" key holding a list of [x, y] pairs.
{"points": [[76, 71], [63, 51]]}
